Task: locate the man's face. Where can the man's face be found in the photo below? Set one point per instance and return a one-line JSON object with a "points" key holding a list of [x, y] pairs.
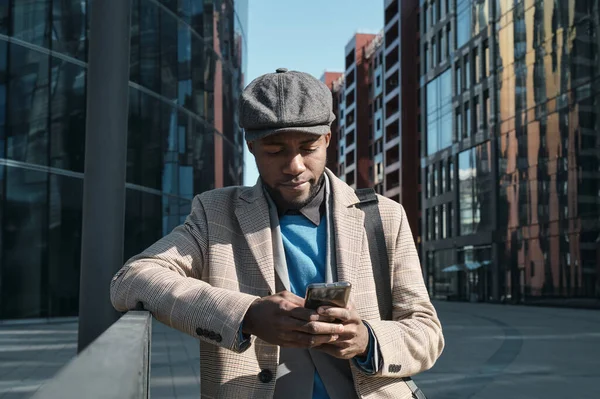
{"points": [[291, 165]]}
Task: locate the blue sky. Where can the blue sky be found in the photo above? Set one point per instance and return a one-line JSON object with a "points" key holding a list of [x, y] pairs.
{"points": [[304, 35]]}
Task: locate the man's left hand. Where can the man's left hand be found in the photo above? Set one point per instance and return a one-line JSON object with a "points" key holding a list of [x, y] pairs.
{"points": [[354, 341]]}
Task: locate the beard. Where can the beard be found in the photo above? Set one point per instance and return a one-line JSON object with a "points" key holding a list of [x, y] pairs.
{"points": [[295, 203]]}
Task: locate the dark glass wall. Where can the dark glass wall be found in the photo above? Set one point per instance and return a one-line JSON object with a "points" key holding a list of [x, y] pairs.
{"points": [[549, 148], [186, 72], [524, 162]]}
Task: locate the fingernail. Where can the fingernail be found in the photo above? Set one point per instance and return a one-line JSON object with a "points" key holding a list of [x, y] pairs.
{"points": [[341, 328], [334, 337], [321, 310]]}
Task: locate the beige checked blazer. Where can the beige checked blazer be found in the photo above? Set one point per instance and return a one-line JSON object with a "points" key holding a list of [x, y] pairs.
{"points": [[203, 276]]}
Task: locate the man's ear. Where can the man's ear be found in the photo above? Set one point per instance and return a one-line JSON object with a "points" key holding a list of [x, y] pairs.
{"points": [[250, 147], [327, 139]]}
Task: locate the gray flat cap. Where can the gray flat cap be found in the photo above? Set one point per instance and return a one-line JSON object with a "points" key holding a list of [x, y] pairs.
{"points": [[289, 101]]}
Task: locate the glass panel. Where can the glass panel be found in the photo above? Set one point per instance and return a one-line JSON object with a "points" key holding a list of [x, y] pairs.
{"points": [[467, 67], [480, 15], [134, 50], [476, 65], [465, 186], [27, 132], [64, 244], [69, 26], [3, 79], [439, 113], [25, 242], [142, 221], [204, 158], [67, 115], [169, 55], [467, 131], [30, 21], [463, 22], [150, 47], [4, 17]]}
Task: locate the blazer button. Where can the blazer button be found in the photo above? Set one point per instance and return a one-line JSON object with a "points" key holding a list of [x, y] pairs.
{"points": [[139, 306], [218, 338], [200, 331], [265, 376]]}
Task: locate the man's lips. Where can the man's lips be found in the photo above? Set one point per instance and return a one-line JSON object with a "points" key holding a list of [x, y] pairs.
{"points": [[294, 185]]}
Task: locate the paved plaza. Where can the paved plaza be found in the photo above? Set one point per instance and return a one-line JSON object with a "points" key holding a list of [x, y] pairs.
{"points": [[492, 352]]}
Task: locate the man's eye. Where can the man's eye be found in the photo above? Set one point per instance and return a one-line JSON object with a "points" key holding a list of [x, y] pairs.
{"points": [[309, 150], [273, 152]]}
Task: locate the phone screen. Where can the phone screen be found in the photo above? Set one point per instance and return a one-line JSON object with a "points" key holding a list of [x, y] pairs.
{"points": [[327, 294]]}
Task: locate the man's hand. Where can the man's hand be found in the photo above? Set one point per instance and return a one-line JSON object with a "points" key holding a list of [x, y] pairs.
{"points": [[354, 341], [281, 319]]}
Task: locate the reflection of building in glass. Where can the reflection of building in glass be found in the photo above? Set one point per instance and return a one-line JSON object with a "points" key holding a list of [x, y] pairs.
{"points": [[186, 72], [511, 202]]}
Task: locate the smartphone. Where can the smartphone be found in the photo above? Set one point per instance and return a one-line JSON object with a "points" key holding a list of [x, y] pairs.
{"points": [[327, 294]]}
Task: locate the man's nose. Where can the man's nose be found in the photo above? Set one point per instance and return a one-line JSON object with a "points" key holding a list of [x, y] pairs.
{"points": [[295, 166]]}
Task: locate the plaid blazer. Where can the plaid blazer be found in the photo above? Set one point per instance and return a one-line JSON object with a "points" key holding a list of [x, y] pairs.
{"points": [[202, 277]]}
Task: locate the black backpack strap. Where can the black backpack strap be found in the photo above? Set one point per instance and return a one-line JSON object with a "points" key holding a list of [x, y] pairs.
{"points": [[377, 248], [369, 203]]}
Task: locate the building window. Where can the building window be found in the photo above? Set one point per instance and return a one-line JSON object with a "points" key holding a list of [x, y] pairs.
{"points": [[439, 113], [378, 124], [435, 179], [426, 188], [486, 59], [467, 127], [463, 22], [458, 79], [450, 175], [443, 53], [475, 189], [486, 109], [378, 81], [467, 68], [476, 65], [425, 54], [436, 223], [443, 177], [434, 53], [444, 220], [458, 130], [450, 219], [476, 112]]}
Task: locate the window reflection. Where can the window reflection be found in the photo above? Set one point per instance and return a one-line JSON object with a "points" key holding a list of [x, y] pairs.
{"points": [[25, 243], [69, 23], [30, 21], [475, 187], [439, 113], [67, 115], [27, 132]]}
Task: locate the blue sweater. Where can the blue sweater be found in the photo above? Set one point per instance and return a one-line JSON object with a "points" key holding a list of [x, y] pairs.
{"points": [[305, 247]]}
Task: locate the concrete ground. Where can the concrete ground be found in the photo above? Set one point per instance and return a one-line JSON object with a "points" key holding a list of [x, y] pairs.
{"points": [[503, 351], [492, 352]]}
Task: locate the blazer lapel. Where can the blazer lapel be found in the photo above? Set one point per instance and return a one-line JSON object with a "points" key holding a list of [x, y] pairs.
{"points": [[349, 229], [253, 216]]}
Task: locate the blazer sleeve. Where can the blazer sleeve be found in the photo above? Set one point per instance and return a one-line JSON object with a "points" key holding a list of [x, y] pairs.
{"points": [[166, 280], [413, 341]]}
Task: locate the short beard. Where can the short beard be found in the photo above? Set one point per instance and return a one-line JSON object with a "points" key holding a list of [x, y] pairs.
{"points": [[285, 204]]}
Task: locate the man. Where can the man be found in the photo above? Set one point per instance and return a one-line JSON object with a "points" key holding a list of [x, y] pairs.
{"points": [[235, 273]]}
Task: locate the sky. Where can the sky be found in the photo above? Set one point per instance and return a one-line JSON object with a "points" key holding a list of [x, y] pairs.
{"points": [[303, 35]]}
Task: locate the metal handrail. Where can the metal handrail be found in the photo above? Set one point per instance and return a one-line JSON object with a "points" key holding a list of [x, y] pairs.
{"points": [[115, 365]]}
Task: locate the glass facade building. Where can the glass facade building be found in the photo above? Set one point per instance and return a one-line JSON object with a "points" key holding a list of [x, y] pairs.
{"points": [[187, 66], [512, 198]]}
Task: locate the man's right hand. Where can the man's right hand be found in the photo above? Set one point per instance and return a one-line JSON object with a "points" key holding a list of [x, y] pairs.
{"points": [[282, 319]]}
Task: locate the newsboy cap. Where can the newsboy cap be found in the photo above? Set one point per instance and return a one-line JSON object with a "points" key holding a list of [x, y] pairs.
{"points": [[285, 101]]}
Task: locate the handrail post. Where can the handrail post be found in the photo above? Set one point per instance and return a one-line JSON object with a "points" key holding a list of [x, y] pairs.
{"points": [[105, 164]]}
